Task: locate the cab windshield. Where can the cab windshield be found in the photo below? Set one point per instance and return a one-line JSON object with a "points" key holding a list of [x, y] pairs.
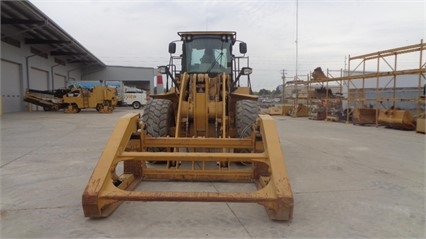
{"points": [[207, 54]]}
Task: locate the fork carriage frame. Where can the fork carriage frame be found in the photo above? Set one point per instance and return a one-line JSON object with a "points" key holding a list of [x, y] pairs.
{"points": [[106, 190]]}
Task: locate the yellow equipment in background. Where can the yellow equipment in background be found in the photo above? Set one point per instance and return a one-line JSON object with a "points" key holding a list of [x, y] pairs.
{"points": [[364, 116], [280, 109], [299, 110], [205, 127], [102, 98], [49, 100], [421, 123], [396, 118]]}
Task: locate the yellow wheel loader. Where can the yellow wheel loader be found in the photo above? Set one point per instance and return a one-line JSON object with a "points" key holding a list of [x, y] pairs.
{"points": [[205, 127]]}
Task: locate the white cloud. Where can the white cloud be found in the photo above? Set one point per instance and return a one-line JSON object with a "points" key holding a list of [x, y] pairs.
{"points": [[138, 32]]}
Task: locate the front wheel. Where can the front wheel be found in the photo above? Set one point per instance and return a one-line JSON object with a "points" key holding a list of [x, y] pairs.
{"points": [[245, 118], [136, 105], [157, 117]]}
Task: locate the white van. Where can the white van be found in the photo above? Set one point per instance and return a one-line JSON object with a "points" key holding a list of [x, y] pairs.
{"points": [[134, 96]]}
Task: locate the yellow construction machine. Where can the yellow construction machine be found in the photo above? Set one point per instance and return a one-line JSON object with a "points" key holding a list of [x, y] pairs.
{"points": [[205, 127], [102, 98], [72, 100]]}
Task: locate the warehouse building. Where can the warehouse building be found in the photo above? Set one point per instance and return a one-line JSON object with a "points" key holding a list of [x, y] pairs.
{"points": [[38, 54]]}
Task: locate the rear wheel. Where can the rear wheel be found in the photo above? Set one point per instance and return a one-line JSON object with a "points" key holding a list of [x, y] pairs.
{"points": [[157, 117], [245, 117], [75, 108]]}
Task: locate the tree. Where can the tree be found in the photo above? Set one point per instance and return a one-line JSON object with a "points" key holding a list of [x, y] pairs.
{"points": [[264, 92], [276, 92]]}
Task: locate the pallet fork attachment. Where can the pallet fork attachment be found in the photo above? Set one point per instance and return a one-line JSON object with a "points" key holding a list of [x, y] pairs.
{"points": [[106, 190]]}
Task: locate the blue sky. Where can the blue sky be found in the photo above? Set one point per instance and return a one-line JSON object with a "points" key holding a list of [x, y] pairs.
{"points": [[137, 33]]}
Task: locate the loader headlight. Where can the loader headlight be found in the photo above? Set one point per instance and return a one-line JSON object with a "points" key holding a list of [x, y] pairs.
{"points": [[162, 69], [246, 71]]}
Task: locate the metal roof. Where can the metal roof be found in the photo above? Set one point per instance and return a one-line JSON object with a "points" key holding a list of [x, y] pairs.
{"points": [[23, 19]]}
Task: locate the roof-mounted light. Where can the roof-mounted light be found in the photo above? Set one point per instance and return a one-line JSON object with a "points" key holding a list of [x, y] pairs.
{"points": [[226, 37], [187, 38]]}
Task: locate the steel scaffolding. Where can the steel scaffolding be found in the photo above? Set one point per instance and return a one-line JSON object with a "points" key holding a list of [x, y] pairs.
{"points": [[386, 57]]}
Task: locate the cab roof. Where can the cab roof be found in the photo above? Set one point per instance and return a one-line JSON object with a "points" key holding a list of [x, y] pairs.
{"points": [[234, 34]]}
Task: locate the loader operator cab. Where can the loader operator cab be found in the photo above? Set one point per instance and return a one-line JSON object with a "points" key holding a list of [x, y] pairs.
{"points": [[207, 53]]}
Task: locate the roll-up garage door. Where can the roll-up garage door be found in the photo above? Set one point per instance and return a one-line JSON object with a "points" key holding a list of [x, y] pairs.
{"points": [[59, 81], [11, 87], [39, 79]]}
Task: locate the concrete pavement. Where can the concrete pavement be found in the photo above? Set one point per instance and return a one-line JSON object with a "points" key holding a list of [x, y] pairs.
{"points": [[348, 182]]}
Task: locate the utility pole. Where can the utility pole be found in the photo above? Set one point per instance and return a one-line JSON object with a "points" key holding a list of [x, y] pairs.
{"points": [[297, 57], [283, 89], [297, 38]]}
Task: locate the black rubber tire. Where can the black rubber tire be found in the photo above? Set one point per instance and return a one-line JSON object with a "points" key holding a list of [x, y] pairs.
{"points": [[245, 116], [136, 105], [157, 117], [75, 106], [246, 113]]}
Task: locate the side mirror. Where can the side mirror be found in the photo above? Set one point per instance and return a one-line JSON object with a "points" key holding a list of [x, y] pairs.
{"points": [[245, 71], [243, 48], [172, 47], [163, 69]]}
